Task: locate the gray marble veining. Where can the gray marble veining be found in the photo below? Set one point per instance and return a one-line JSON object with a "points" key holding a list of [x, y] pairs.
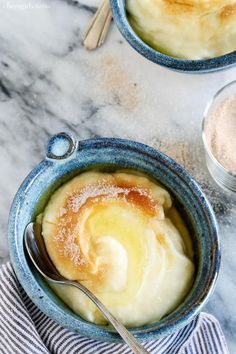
{"points": [[50, 83]]}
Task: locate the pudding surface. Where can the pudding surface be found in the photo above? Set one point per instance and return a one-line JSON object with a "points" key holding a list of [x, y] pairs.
{"points": [[189, 29], [120, 236]]}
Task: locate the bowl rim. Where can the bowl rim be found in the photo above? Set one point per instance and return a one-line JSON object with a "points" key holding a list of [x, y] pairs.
{"points": [[183, 65], [59, 315]]}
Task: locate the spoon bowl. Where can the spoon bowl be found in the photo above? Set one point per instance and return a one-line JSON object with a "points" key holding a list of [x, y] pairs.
{"points": [[37, 252]]}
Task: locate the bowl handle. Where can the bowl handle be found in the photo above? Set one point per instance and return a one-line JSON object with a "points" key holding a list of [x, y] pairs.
{"points": [[60, 146]]}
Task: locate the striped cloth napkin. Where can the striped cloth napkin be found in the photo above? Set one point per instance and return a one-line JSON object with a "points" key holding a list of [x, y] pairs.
{"points": [[24, 329]]}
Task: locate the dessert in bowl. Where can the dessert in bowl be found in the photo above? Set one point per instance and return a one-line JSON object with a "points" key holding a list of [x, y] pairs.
{"points": [[188, 36], [120, 236], [187, 29], [156, 219]]}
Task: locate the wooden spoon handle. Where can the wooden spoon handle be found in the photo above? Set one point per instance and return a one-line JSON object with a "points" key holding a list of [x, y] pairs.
{"points": [[98, 27]]}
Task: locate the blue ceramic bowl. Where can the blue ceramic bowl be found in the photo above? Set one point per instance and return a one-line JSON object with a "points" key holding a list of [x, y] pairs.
{"points": [[182, 65], [65, 158]]}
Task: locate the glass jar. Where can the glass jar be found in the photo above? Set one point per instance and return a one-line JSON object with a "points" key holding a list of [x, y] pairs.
{"points": [[220, 174]]}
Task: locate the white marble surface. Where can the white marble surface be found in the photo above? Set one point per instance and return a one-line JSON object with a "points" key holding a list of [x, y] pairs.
{"points": [[49, 83]]}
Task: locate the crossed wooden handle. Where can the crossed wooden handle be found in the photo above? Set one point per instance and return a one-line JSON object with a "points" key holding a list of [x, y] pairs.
{"points": [[98, 27]]}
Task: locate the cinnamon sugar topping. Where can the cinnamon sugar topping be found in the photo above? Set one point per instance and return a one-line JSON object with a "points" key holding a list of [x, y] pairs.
{"points": [[67, 236], [105, 190]]}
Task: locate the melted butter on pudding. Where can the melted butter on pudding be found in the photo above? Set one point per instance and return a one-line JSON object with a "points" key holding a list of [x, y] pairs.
{"points": [[120, 236]]}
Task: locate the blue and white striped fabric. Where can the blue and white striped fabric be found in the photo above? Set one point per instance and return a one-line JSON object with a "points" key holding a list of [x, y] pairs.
{"points": [[24, 329]]}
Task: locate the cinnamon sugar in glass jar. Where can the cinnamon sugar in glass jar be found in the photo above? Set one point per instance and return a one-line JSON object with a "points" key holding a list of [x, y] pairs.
{"points": [[219, 136]]}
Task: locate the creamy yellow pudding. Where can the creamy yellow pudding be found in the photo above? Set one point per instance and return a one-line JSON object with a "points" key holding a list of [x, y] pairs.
{"points": [[191, 29], [119, 235]]}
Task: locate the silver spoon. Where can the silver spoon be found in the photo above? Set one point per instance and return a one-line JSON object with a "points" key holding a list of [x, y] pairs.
{"points": [[36, 250]]}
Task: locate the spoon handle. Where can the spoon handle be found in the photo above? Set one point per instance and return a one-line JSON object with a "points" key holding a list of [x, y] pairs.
{"points": [[98, 27], [124, 333]]}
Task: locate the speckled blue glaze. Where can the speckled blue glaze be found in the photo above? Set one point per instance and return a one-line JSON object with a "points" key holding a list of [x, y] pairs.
{"points": [[182, 65], [110, 154]]}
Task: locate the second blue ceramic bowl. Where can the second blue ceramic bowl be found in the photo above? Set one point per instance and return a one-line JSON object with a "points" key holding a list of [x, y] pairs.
{"points": [[182, 65], [65, 158]]}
